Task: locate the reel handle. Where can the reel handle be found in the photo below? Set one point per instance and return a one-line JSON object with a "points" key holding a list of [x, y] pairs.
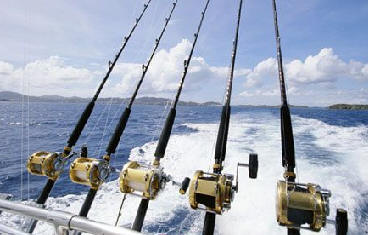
{"points": [[341, 222], [253, 165], [184, 186]]}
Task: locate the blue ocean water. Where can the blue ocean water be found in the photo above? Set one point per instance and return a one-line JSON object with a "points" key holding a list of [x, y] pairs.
{"points": [[27, 128]]}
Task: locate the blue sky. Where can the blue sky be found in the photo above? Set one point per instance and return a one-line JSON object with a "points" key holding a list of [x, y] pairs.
{"points": [[62, 47]]}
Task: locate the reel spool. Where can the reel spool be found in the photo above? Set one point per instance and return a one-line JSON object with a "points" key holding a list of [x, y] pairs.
{"points": [[46, 164], [89, 171], [214, 192], [142, 180], [299, 204]]}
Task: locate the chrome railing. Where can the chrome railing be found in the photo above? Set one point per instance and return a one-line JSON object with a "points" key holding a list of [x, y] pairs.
{"points": [[59, 219]]}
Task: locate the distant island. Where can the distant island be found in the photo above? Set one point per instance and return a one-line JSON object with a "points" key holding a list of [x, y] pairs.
{"points": [[9, 96], [349, 106]]}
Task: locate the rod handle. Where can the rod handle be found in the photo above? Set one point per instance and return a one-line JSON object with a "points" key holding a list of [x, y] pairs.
{"points": [[287, 137], [45, 192], [119, 129], [88, 202], [165, 134], [141, 214], [220, 149], [209, 224], [293, 231], [73, 138], [341, 222]]}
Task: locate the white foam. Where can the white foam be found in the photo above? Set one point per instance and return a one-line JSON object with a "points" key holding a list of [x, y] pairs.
{"points": [[253, 210]]}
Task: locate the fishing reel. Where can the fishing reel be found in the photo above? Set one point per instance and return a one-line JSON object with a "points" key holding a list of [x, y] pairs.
{"points": [[48, 164], [215, 192], [298, 204], [89, 171], [142, 180]]}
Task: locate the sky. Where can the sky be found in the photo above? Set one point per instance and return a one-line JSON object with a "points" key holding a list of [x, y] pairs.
{"points": [[63, 48]]}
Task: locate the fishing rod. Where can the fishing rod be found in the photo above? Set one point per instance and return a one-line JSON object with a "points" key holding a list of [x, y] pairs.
{"points": [[214, 192], [51, 164], [93, 172], [147, 180], [298, 204]]}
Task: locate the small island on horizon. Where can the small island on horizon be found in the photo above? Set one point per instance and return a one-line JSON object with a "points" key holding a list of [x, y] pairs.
{"points": [[10, 96], [349, 106]]}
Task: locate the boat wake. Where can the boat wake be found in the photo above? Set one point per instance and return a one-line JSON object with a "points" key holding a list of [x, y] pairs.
{"points": [[331, 155]]}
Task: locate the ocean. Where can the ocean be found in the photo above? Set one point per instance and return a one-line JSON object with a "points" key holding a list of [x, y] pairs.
{"points": [[331, 150]]}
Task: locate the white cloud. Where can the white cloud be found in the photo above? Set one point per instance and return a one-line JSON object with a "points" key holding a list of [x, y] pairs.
{"points": [[325, 74], [48, 76], [54, 76], [166, 71], [325, 67], [264, 70], [317, 76]]}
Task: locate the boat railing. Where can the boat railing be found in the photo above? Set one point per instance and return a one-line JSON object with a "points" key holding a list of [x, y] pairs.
{"points": [[60, 219]]}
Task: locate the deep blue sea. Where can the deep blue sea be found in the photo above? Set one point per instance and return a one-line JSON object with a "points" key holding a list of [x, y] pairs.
{"points": [[331, 150]]}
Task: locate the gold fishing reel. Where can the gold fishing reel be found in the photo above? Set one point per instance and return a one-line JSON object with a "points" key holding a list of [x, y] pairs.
{"points": [[47, 164], [298, 204], [215, 192], [142, 180], [91, 172]]}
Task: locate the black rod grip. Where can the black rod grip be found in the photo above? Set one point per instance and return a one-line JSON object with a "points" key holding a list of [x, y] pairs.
{"points": [[287, 138], [45, 192], [220, 149], [141, 214], [81, 124], [119, 129], [88, 202], [341, 222], [209, 224], [293, 231], [165, 134]]}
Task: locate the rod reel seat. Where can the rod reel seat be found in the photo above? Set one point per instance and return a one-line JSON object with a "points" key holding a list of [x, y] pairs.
{"points": [[215, 192], [142, 180], [298, 204], [89, 171], [46, 164]]}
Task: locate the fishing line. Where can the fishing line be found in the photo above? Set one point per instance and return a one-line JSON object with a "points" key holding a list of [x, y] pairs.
{"points": [[161, 120], [104, 168], [104, 130], [92, 129], [120, 209], [59, 160], [166, 132]]}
